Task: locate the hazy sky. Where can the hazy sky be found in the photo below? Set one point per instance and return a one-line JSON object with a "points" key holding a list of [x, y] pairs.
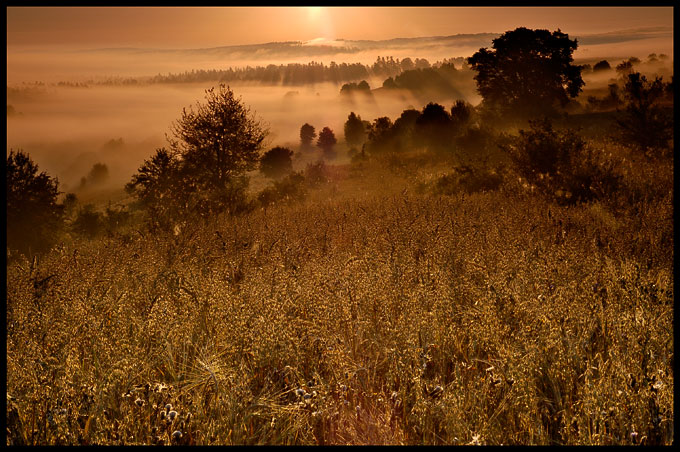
{"points": [[192, 27]]}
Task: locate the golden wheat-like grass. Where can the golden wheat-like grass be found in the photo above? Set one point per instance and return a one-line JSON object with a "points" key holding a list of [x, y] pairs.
{"points": [[387, 318]]}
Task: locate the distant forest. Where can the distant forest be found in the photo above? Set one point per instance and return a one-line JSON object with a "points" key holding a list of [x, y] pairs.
{"points": [[286, 74]]}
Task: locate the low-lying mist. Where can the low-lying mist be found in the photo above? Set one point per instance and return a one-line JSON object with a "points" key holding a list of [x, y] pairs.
{"points": [[65, 129]]}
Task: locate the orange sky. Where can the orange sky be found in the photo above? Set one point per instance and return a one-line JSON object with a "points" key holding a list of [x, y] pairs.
{"points": [[192, 27]]}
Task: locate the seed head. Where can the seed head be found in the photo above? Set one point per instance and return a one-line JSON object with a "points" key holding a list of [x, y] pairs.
{"points": [[176, 435], [168, 407], [172, 415], [139, 402]]}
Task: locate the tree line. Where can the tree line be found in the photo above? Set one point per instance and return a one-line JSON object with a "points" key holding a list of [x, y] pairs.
{"points": [[294, 74]]}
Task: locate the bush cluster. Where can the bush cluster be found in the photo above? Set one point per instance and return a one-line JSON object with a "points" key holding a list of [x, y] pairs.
{"points": [[561, 164]]}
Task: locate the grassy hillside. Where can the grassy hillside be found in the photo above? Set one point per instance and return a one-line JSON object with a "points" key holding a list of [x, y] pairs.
{"points": [[371, 313]]}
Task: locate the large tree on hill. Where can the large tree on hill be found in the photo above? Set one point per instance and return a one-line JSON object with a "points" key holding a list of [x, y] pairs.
{"points": [[218, 142], [33, 215], [527, 72], [212, 146]]}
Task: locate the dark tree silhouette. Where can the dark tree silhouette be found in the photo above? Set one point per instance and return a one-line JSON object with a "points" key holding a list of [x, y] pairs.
{"points": [[70, 201], [307, 135], [89, 222], [422, 63], [389, 83], [528, 72], [602, 66], [644, 124], [157, 187], [33, 215], [406, 121], [404, 127], [355, 131], [625, 68], [97, 175], [461, 113], [327, 141], [407, 64], [361, 87], [433, 127], [276, 162], [380, 135]]}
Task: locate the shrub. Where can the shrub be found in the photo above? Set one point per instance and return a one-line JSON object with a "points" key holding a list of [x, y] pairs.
{"points": [[358, 156], [116, 217], [70, 202], [461, 114], [291, 188], [316, 173], [469, 180], [477, 138], [88, 222], [276, 162], [560, 164]]}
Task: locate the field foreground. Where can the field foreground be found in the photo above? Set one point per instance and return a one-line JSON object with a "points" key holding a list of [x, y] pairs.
{"points": [[395, 319]]}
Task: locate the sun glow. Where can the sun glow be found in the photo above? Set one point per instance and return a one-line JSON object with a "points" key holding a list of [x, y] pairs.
{"points": [[313, 12]]}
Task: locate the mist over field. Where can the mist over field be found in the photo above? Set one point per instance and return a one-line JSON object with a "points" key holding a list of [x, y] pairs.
{"points": [[66, 128], [75, 123]]}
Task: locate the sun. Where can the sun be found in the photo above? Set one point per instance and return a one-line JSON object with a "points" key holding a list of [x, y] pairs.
{"points": [[313, 12]]}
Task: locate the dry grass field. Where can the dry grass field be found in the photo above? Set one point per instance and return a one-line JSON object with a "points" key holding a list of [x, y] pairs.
{"points": [[358, 316]]}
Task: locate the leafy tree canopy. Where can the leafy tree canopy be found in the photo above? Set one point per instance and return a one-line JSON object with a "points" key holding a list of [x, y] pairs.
{"points": [[527, 72], [33, 215], [212, 146], [218, 139]]}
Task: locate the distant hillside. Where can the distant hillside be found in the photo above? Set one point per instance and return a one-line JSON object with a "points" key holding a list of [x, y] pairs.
{"points": [[292, 49], [317, 47]]}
